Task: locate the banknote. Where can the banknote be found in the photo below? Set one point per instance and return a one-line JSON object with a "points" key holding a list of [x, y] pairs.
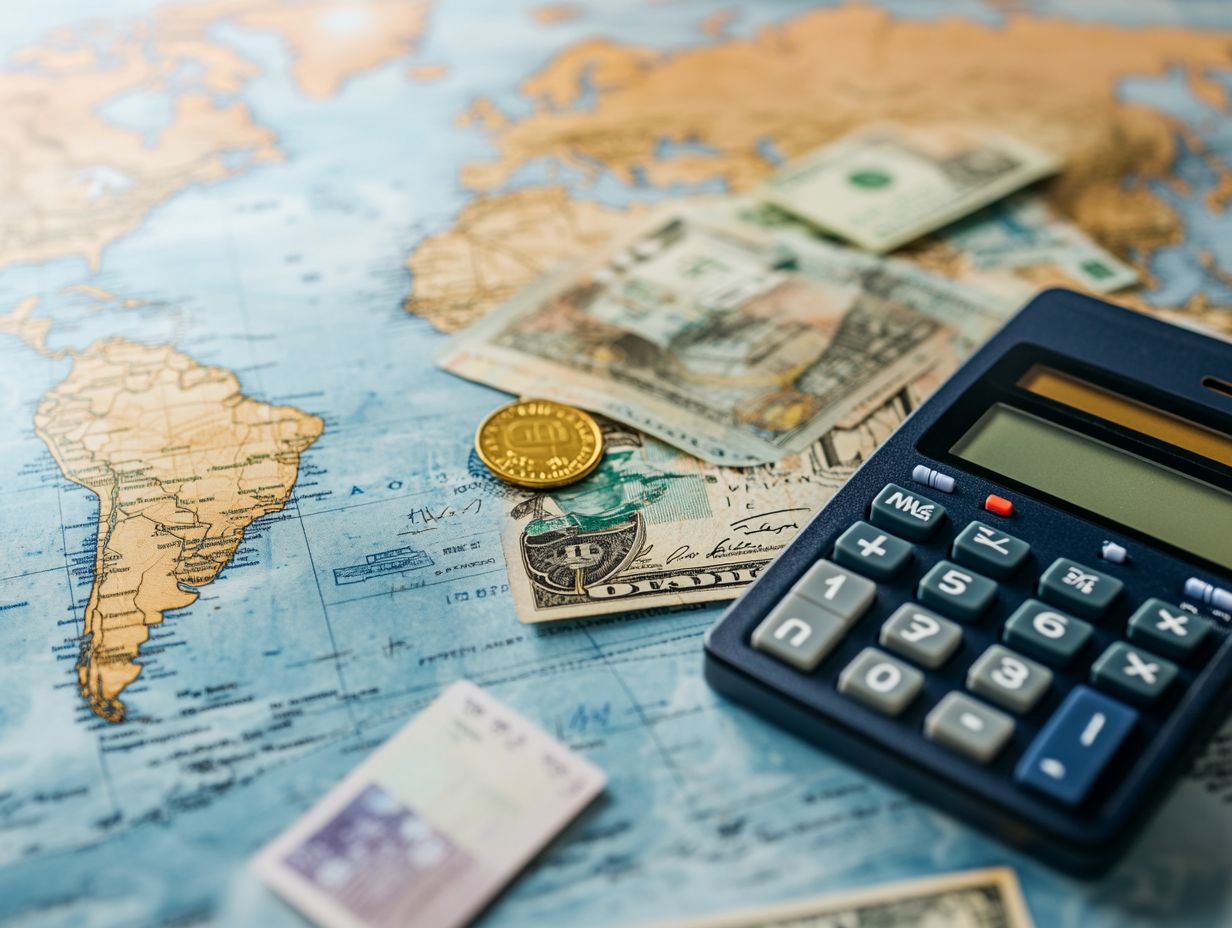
{"points": [[705, 340], [971, 308], [426, 831], [1023, 233], [887, 184], [654, 526], [990, 898]]}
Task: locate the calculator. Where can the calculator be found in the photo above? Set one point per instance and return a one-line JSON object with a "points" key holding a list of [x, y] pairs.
{"points": [[1018, 607]]}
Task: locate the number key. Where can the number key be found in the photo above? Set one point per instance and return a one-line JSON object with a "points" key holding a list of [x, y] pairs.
{"points": [[920, 635], [1008, 679], [798, 633], [880, 682], [956, 591], [838, 590], [1046, 633]]}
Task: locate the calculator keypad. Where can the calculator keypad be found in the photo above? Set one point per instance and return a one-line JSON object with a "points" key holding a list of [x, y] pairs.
{"points": [[1006, 683], [881, 682], [1079, 589], [1008, 679], [969, 727], [956, 591]]}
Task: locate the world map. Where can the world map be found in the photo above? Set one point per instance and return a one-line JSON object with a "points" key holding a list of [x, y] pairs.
{"points": [[243, 537]]}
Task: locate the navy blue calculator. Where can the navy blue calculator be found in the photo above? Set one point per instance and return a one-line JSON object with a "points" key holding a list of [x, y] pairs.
{"points": [[1019, 607]]}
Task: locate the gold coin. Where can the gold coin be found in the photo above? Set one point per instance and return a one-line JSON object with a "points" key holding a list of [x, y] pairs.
{"points": [[539, 444]]}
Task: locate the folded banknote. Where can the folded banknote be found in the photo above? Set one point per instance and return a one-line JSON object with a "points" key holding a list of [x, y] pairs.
{"points": [[705, 339], [426, 831], [887, 184], [988, 898]]}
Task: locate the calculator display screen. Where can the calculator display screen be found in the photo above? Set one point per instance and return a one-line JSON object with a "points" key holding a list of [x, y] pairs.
{"points": [[1175, 508]]}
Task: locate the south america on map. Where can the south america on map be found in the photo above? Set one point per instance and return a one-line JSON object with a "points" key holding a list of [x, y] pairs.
{"points": [[245, 538]]}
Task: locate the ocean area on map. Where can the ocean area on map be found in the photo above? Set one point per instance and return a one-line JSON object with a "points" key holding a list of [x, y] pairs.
{"points": [[317, 263]]}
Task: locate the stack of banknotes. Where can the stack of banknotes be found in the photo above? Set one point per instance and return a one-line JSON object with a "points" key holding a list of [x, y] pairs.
{"points": [[748, 352]]}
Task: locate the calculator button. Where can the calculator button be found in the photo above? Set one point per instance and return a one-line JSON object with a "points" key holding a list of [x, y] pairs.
{"points": [[1132, 673], [920, 636], [969, 727], [905, 513], [871, 551], [837, 590], [921, 473], [1075, 745], [1208, 594], [1167, 629], [989, 550], [1080, 589], [956, 591], [999, 506], [880, 682], [1008, 679], [799, 633], [1046, 633]]}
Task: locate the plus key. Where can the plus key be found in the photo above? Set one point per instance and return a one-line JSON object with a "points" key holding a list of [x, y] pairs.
{"points": [[872, 552]]}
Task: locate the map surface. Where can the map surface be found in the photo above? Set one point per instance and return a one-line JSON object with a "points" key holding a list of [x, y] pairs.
{"points": [[243, 537]]}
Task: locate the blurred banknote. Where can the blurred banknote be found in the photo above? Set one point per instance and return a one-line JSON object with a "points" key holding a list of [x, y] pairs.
{"points": [[887, 184], [704, 338], [1022, 234], [988, 898], [426, 831], [654, 526]]}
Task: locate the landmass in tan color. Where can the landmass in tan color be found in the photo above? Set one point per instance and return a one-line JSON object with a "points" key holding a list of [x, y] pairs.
{"points": [[553, 13], [76, 181], [333, 40], [499, 244], [20, 323], [1052, 81], [715, 25], [426, 73], [182, 463]]}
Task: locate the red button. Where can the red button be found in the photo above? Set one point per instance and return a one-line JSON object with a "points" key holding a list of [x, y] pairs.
{"points": [[999, 505]]}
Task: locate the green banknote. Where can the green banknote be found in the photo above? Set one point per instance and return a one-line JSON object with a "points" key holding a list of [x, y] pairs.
{"points": [[706, 337], [1022, 235], [654, 526], [887, 184]]}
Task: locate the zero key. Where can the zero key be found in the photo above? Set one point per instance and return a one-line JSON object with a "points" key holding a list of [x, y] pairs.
{"points": [[1075, 745]]}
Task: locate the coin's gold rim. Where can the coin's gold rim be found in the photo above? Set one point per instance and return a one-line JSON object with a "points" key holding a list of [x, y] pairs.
{"points": [[535, 484]]}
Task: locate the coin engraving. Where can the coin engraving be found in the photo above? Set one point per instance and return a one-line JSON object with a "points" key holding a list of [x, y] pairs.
{"points": [[539, 444]]}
